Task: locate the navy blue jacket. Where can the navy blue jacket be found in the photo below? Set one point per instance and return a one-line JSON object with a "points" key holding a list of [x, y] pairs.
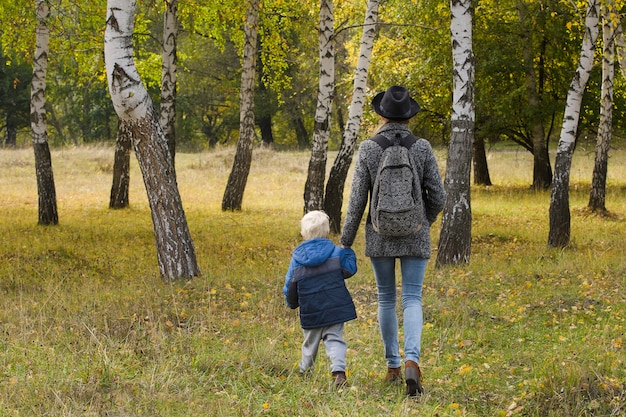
{"points": [[315, 283]]}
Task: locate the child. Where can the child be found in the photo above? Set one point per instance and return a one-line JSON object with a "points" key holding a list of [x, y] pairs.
{"points": [[315, 283]]}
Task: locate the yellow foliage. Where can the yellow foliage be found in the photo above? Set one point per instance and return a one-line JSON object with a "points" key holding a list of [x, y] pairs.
{"points": [[465, 369]]}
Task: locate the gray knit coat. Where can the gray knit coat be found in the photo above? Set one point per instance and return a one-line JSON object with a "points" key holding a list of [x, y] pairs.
{"points": [[365, 172]]}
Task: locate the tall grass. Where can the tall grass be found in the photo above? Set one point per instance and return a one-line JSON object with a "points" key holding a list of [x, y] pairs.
{"points": [[87, 328]]}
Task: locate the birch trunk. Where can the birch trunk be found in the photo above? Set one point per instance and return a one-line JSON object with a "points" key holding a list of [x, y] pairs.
{"points": [[263, 113], [620, 47], [542, 170], [236, 185], [46, 191], [302, 135], [479, 162], [455, 238], [559, 234], [314, 187], [120, 189], [168, 77], [597, 196], [175, 250], [333, 200]]}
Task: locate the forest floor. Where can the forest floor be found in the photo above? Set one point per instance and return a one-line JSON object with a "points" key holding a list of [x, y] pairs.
{"points": [[88, 328]]}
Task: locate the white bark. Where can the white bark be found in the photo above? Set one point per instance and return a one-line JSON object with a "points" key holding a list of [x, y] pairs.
{"points": [[40, 70], [236, 185], [463, 60], [314, 188], [168, 76], [620, 47], [326, 88], [43, 162], [333, 200], [455, 237], [597, 196], [248, 73], [360, 76], [130, 99], [559, 234], [175, 250], [579, 82]]}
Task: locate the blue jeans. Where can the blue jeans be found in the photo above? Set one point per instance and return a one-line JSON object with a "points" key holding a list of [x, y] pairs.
{"points": [[412, 279]]}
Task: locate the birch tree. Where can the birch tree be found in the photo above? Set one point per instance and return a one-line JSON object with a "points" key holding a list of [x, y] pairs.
{"points": [[120, 189], [175, 250], [121, 166], [333, 199], [542, 170], [168, 78], [314, 187], [479, 162], [455, 237], [236, 185], [620, 47], [43, 162], [559, 234], [597, 196]]}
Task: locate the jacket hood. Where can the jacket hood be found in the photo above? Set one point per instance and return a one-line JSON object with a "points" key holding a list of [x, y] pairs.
{"points": [[313, 252]]}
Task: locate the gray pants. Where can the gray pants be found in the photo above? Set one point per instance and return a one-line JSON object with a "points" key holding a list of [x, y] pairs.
{"points": [[333, 342]]}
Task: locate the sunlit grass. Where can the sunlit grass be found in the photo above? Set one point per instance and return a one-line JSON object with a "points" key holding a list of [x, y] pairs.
{"points": [[88, 328]]}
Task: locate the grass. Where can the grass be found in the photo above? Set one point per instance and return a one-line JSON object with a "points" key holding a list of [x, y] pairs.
{"points": [[87, 328]]}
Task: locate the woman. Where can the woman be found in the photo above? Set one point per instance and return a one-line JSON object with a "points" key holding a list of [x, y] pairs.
{"points": [[396, 108]]}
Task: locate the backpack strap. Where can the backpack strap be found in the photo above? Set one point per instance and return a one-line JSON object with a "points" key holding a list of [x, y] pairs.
{"points": [[406, 141]]}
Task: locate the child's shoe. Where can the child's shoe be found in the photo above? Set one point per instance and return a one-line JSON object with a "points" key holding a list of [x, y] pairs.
{"points": [[413, 377]]}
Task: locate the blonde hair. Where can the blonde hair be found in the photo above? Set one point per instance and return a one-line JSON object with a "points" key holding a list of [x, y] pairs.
{"points": [[314, 224], [383, 121]]}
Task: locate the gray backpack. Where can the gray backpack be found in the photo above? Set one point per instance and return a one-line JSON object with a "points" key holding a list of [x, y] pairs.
{"points": [[397, 208]]}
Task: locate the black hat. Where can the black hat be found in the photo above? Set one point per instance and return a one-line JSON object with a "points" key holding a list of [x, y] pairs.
{"points": [[395, 104]]}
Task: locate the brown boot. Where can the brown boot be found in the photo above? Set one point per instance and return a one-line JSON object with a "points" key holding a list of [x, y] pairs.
{"points": [[394, 376], [340, 379], [413, 377]]}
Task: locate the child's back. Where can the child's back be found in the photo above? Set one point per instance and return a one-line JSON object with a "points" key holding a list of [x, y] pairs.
{"points": [[315, 283]]}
